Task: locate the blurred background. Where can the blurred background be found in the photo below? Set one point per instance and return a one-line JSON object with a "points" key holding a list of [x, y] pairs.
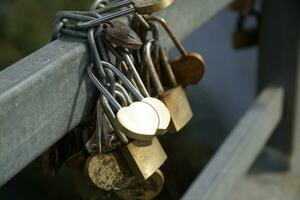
{"points": [[218, 101]]}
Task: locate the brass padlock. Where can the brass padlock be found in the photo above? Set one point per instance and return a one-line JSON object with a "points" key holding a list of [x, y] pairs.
{"points": [[139, 120], [151, 6], [108, 171], [188, 68], [144, 157], [134, 116], [246, 37], [144, 190], [175, 99]]}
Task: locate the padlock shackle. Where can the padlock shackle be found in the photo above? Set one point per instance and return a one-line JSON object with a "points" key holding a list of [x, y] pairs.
{"points": [[167, 67], [102, 89], [112, 119], [95, 53], [98, 126], [153, 73], [122, 98], [120, 88], [158, 51], [103, 74], [167, 28], [156, 44], [112, 49], [128, 85], [135, 74]]}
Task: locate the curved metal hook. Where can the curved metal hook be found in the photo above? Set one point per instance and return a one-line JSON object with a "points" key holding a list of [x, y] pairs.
{"points": [[102, 89], [125, 81]]}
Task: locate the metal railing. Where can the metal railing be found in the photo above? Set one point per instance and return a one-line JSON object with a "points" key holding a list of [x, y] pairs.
{"points": [[47, 93]]}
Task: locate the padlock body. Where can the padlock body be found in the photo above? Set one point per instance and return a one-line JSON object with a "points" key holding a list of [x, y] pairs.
{"points": [[108, 171], [180, 110], [188, 69], [144, 157]]}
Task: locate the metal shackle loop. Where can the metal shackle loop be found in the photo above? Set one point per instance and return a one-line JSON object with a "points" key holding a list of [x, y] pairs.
{"points": [[128, 85], [151, 68], [102, 89], [169, 31], [95, 53], [111, 117], [120, 88]]}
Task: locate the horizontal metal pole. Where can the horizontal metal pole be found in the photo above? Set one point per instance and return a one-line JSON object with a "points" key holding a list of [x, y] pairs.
{"points": [[46, 94], [240, 149]]}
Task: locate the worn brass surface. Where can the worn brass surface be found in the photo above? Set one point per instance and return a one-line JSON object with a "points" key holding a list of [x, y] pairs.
{"points": [[108, 171], [188, 68], [179, 108], [163, 113], [145, 190], [138, 121], [144, 158], [151, 6]]}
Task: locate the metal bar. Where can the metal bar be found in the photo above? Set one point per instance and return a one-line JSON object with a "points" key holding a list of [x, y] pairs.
{"points": [[240, 149], [46, 94], [278, 61]]}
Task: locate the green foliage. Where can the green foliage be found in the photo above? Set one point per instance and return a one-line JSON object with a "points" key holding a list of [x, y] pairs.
{"points": [[27, 25]]}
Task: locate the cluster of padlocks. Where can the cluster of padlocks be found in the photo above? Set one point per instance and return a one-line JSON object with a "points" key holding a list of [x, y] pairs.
{"points": [[141, 92]]}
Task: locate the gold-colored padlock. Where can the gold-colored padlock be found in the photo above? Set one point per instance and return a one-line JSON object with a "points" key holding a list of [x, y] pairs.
{"points": [[108, 171], [175, 99], [189, 67], [144, 190], [139, 120], [144, 157], [151, 6]]}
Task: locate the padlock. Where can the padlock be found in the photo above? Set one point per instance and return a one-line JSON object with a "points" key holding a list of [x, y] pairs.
{"points": [[143, 157], [163, 112], [120, 34], [246, 37], [175, 99], [188, 68], [145, 190], [138, 120], [108, 171], [151, 6]]}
